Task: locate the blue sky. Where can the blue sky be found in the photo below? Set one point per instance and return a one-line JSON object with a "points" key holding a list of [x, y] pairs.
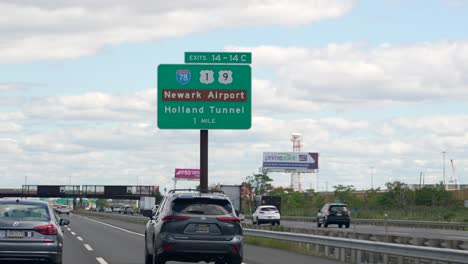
{"points": [[367, 83]]}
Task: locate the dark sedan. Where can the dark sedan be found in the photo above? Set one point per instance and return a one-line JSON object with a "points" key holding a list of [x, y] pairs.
{"points": [[29, 230]]}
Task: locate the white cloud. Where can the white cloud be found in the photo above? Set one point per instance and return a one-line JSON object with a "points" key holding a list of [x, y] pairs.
{"points": [[439, 125], [94, 106], [69, 29], [357, 74]]}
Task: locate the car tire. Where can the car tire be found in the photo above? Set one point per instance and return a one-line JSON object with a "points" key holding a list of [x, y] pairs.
{"points": [[347, 225], [319, 225], [273, 223], [157, 259], [258, 221], [340, 225], [234, 261], [148, 257], [278, 222], [325, 224], [253, 222]]}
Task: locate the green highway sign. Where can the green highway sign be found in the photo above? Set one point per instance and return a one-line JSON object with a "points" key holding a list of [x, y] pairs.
{"points": [[204, 96], [219, 57]]}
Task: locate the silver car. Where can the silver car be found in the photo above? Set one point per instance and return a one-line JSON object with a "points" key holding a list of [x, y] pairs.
{"points": [[29, 230]]}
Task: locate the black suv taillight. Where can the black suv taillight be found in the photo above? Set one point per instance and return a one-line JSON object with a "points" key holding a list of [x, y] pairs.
{"points": [[229, 219]]}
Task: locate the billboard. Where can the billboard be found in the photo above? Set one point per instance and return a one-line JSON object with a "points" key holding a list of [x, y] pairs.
{"points": [[290, 161], [187, 174]]}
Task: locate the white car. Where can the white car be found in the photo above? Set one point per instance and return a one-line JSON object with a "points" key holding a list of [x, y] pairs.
{"points": [[63, 209], [266, 214]]}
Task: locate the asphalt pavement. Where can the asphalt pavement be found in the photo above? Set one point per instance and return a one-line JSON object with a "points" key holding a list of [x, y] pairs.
{"points": [[101, 241]]}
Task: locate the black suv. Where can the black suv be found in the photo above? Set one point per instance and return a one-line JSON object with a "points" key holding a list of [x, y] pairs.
{"points": [[333, 213], [192, 227]]}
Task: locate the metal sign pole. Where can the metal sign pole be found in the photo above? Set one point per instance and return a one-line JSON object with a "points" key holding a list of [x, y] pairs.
{"points": [[204, 160]]}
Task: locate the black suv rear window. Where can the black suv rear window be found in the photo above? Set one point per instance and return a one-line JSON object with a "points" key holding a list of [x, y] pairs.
{"points": [[202, 206], [338, 208]]}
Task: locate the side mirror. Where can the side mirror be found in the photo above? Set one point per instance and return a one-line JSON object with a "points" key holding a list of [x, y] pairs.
{"points": [[148, 213], [63, 222], [319, 210]]}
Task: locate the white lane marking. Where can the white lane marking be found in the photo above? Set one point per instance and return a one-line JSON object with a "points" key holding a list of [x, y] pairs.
{"points": [[73, 233], [88, 247], [79, 238], [101, 260], [68, 229], [116, 227]]}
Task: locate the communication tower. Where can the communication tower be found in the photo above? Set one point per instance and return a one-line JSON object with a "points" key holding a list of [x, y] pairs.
{"points": [[296, 177]]}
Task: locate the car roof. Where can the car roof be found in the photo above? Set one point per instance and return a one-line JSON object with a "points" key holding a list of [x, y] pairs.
{"points": [[337, 204], [23, 201]]}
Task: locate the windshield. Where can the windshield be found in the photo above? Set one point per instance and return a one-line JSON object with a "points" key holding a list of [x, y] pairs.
{"points": [[24, 212]]}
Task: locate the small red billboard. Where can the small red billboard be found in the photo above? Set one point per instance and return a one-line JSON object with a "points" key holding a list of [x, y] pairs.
{"points": [[187, 174]]}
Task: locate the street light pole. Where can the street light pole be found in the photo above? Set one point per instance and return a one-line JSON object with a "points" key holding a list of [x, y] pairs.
{"points": [[372, 177], [443, 167]]}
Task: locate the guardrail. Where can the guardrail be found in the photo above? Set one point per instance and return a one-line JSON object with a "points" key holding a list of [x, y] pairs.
{"points": [[389, 222], [344, 249], [361, 251]]}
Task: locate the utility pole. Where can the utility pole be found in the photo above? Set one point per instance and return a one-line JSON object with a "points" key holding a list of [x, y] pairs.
{"points": [[372, 177], [443, 167]]}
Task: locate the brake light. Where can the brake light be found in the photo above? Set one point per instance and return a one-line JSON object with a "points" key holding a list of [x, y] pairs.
{"points": [[175, 218], [168, 247], [48, 230], [235, 249], [229, 219], [262, 212]]}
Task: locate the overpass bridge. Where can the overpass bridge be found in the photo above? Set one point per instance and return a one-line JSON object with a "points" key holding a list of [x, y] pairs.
{"points": [[127, 192]]}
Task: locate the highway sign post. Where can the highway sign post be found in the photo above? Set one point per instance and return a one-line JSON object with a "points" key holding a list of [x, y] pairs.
{"points": [[212, 92]]}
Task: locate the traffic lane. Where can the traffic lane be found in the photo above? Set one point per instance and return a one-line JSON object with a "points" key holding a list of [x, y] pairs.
{"points": [[390, 230], [252, 254], [73, 250], [113, 245]]}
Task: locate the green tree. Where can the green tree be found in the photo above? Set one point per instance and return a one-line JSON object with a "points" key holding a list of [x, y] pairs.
{"points": [[344, 193], [101, 203], [398, 196], [260, 183]]}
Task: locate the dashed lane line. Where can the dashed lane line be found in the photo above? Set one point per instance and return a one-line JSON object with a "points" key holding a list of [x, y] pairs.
{"points": [[79, 238], [101, 261], [73, 233], [88, 247]]}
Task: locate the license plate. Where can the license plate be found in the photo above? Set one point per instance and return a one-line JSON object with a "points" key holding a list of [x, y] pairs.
{"points": [[202, 228], [338, 214], [2, 233], [15, 234]]}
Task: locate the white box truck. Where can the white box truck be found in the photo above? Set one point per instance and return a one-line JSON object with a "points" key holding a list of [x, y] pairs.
{"points": [[234, 193], [146, 203]]}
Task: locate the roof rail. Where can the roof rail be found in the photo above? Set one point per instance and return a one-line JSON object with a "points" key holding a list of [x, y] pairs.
{"points": [[195, 190]]}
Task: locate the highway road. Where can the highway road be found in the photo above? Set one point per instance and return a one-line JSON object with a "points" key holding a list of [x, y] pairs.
{"points": [[101, 241], [382, 230]]}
